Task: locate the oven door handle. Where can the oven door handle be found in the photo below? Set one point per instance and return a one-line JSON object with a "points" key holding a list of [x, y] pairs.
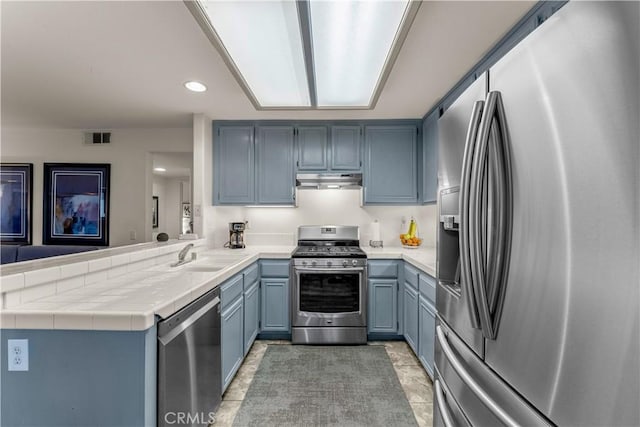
{"points": [[329, 269]]}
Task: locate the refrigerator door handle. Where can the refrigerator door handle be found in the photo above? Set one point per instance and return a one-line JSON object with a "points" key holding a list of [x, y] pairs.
{"points": [[442, 405], [476, 231], [504, 215], [464, 236], [491, 161], [466, 377]]}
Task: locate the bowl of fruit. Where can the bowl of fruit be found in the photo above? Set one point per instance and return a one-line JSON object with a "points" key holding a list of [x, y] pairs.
{"points": [[410, 242], [410, 239]]}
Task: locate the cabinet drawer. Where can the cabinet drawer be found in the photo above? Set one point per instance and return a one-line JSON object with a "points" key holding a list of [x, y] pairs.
{"points": [[383, 269], [230, 290], [250, 276], [411, 275], [428, 287], [275, 268]]}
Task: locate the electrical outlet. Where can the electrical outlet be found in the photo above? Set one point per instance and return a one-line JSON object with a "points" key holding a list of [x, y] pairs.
{"points": [[18, 355], [132, 235], [197, 210], [246, 225]]}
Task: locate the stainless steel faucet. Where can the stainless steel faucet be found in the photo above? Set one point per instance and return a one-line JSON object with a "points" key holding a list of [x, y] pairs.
{"points": [[183, 254]]}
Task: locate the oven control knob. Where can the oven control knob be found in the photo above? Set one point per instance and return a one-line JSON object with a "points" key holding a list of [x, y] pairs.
{"points": [[329, 263], [313, 263], [304, 263], [344, 263], [354, 262]]}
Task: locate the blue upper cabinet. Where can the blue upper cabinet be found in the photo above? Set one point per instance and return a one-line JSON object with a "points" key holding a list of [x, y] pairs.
{"points": [[329, 148], [274, 151], [233, 152], [313, 146], [430, 158], [391, 165], [346, 149]]}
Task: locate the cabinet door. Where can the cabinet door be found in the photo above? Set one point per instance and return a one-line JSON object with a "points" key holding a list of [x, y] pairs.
{"points": [[426, 343], [383, 306], [430, 158], [232, 342], [410, 313], [234, 165], [346, 148], [312, 148], [251, 315], [275, 305], [391, 165], [274, 150]]}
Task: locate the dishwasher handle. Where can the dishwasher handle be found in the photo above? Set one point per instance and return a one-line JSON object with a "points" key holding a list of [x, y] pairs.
{"points": [[179, 322]]}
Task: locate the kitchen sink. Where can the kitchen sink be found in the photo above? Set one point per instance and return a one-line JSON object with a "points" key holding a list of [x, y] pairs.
{"points": [[204, 268]]}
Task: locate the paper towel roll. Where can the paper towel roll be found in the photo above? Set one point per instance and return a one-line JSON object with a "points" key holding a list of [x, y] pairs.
{"points": [[375, 231]]}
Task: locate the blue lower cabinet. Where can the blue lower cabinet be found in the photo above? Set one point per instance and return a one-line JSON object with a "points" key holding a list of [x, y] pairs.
{"points": [[410, 315], [232, 319], [426, 343], [251, 315], [383, 306], [275, 305]]}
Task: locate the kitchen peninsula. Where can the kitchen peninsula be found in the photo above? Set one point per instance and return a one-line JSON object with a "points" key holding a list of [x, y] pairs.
{"points": [[91, 325]]}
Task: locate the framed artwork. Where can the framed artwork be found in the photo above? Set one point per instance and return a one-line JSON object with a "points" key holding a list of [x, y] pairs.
{"points": [[154, 212], [76, 204], [16, 190], [186, 210]]}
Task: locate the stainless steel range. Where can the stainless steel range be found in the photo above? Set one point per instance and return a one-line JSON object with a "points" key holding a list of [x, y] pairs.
{"points": [[329, 286]]}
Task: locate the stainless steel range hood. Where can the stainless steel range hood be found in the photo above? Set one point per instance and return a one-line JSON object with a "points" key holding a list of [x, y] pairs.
{"points": [[321, 181]]}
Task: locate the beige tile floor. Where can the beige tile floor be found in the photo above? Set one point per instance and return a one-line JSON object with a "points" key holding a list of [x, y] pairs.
{"points": [[413, 378]]}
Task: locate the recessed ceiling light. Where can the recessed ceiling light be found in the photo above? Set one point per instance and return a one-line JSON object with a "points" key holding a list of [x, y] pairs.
{"points": [[195, 86], [159, 169]]}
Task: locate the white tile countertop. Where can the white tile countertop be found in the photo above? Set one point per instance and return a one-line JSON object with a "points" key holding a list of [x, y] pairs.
{"points": [[423, 258], [130, 300]]}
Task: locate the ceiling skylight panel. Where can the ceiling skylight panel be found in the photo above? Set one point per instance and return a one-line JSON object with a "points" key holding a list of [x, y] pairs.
{"points": [[264, 42], [351, 43]]}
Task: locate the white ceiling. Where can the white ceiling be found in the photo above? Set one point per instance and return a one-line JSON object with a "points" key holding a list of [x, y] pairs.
{"points": [[111, 64]]}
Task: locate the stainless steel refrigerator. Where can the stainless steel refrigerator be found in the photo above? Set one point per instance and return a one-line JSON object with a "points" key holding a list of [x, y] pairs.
{"points": [[538, 242]]}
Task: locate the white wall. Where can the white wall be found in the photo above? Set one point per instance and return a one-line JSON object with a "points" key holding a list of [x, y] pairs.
{"points": [[202, 172], [130, 159], [337, 207]]}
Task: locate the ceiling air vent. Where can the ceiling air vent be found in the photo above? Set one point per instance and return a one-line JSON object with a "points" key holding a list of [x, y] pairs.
{"points": [[94, 138]]}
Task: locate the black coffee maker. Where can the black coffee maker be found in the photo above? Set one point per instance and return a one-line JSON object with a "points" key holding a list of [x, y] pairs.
{"points": [[236, 235]]}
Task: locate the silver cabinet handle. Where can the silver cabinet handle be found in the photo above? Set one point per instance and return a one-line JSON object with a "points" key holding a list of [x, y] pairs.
{"points": [[470, 382], [465, 181], [442, 405]]}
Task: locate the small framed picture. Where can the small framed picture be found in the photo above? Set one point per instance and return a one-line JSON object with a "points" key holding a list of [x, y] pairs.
{"points": [[186, 210], [16, 189], [76, 204], [154, 212]]}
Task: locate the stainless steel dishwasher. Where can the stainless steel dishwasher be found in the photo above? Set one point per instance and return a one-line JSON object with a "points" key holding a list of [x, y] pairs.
{"points": [[189, 365]]}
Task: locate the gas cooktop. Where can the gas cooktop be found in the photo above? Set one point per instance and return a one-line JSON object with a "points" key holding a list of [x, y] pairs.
{"points": [[328, 241], [305, 251]]}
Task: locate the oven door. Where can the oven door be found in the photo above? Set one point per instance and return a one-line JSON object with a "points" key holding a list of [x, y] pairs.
{"points": [[329, 297]]}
